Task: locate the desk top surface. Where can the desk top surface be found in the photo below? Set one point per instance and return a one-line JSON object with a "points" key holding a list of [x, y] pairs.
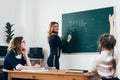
{"points": [[52, 72]]}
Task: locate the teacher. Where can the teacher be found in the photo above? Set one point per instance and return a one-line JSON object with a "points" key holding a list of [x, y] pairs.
{"points": [[55, 44]]}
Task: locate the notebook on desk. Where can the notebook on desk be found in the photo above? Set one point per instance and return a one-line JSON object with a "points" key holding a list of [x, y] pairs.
{"points": [[76, 71], [33, 69]]}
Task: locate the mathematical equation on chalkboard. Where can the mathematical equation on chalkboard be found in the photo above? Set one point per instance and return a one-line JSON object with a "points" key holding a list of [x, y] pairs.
{"points": [[80, 24]]}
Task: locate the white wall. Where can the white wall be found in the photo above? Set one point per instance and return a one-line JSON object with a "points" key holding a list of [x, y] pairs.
{"points": [[47, 11], [21, 14], [10, 13], [29, 28]]}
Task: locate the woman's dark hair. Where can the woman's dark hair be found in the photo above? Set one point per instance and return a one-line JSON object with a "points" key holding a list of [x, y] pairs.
{"points": [[107, 41]]}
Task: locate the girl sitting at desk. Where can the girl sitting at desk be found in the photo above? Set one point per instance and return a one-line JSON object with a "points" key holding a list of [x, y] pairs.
{"points": [[105, 63], [16, 57]]}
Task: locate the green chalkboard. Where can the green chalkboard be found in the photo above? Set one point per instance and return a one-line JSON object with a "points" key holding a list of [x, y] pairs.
{"points": [[85, 28]]}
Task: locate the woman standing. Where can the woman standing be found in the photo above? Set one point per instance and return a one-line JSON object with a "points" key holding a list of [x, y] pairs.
{"points": [[55, 44], [16, 57]]}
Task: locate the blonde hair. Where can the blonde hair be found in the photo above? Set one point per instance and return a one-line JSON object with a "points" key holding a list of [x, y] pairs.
{"points": [[51, 28], [15, 43]]}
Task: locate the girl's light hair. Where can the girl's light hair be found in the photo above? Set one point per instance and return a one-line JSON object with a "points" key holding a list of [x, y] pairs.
{"points": [[51, 28], [15, 43], [11, 45]]}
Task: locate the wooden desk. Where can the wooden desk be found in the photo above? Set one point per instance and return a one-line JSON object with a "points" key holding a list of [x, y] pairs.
{"points": [[49, 75]]}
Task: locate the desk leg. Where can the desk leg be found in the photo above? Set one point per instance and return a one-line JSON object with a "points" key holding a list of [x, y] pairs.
{"points": [[9, 77]]}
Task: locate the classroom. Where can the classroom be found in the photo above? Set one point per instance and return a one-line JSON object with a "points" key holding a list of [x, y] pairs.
{"points": [[31, 19]]}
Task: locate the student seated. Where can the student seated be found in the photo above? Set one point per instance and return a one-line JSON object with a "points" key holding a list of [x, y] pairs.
{"points": [[16, 57], [105, 63]]}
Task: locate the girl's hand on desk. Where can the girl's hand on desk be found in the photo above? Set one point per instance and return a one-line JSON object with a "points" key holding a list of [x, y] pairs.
{"points": [[37, 65]]}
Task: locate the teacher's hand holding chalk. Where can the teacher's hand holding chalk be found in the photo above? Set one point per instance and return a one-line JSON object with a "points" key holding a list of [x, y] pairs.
{"points": [[69, 38]]}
